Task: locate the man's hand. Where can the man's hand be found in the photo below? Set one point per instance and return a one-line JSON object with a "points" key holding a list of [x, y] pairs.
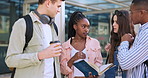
{"points": [[107, 47], [127, 37], [53, 50]]}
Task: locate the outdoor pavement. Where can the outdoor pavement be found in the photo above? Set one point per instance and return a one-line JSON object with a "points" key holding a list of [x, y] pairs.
{"points": [[5, 75]]}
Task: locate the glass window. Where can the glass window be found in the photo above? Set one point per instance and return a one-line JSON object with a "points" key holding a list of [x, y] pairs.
{"points": [[4, 29]]}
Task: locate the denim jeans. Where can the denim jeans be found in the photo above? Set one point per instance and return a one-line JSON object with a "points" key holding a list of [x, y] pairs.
{"points": [[114, 71]]}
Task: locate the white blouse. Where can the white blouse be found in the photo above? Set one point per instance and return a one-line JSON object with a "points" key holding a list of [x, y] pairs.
{"points": [[77, 72]]}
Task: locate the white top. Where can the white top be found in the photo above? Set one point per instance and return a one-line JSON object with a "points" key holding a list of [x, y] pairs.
{"points": [[77, 72], [48, 68]]}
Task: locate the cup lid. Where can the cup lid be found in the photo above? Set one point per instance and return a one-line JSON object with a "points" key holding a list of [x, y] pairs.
{"points": [[54, 42]]}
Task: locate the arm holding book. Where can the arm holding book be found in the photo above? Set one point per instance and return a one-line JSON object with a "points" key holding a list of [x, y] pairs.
{"points": [[77, 56], [67, 61], [93, 53]]}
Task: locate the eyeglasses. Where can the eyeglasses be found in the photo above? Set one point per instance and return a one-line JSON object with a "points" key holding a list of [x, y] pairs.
{"points": [[119, 13], [132, 11]]}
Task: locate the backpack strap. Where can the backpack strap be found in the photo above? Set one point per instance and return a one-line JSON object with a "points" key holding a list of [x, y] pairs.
{"points": [[55, 27], [28, 35], [29, 30]]}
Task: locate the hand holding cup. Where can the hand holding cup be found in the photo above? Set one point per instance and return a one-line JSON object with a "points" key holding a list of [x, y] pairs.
{"points": [[54, 50], [57, 46]]}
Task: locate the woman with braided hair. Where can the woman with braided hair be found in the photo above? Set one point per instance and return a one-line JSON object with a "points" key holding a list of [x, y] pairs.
{"points": [[79, 47]]}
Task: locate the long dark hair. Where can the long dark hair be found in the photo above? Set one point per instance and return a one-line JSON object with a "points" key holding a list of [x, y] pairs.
{"points": [[74, 19], [124, 22]]}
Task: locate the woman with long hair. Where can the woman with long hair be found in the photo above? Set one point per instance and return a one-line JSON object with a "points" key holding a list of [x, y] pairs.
{"points": [[121, 24]]}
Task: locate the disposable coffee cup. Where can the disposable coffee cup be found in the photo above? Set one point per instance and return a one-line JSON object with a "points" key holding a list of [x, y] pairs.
{"points": [[52, 42]]}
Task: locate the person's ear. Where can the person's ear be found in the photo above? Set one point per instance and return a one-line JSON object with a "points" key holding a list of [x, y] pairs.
{"points": [[75, 26], [48, 2]]}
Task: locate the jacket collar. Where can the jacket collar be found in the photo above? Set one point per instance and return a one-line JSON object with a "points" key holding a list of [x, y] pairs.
{"points": [[34, 18]]}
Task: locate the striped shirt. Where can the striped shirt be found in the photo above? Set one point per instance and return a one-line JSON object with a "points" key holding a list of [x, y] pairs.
{"points": [[132, 59]]}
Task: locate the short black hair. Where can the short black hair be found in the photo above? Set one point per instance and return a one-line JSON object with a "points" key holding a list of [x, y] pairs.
{"points": [[139, 1], [143, 3], [42, 1]]}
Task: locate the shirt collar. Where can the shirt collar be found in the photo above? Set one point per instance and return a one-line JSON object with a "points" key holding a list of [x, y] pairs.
{"points": [[70, 46], [144, 26]]}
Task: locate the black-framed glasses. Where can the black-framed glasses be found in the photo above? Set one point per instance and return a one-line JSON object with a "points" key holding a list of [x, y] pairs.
{"points": [[119, 13], [132, 11]]}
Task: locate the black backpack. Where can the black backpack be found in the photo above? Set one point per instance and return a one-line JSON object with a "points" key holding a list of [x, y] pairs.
{"points": [[29, 33]]}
